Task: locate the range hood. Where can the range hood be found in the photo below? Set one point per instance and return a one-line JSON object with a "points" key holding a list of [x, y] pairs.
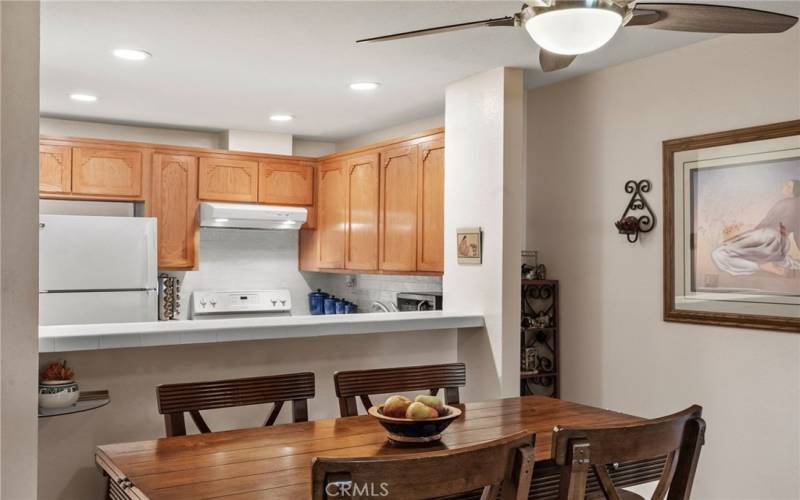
{"points": [[247, 216]]}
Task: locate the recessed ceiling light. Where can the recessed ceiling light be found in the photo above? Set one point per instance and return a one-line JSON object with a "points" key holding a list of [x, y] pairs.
{"points": [[364, 85], [83, 97], [132, 54], [280, 117]]}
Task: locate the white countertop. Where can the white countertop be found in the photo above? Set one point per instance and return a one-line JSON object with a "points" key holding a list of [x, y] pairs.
{"points": [[61, 338]]}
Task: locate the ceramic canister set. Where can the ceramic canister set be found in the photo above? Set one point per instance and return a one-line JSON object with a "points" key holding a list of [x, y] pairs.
{"points": [[320, 303]]}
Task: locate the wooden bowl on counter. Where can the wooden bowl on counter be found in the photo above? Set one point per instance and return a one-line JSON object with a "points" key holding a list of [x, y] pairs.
{"points": [[409, 431]]}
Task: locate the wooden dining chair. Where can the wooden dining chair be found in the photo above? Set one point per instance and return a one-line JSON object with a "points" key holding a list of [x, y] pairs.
{"points": [[677, 437], [503, 466], [176, 399], [362, 383]]}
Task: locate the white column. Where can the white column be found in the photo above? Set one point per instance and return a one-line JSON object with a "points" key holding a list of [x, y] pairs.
{"points": [[19, 213], [484, 134]]}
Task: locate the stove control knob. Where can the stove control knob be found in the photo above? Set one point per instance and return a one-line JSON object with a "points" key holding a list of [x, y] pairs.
{"points": [[283, 302], [274, 302], [213, 301], [202, 301]]}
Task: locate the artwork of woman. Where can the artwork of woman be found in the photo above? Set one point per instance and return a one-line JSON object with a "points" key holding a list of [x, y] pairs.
{"points": [[767, 246]]}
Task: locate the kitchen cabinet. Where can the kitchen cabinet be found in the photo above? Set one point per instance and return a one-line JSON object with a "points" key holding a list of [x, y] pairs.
{"points": [[361, 239], [430, 205], [55, 169], [228, 179], [286, 182], [398, 208], [107, 172], [174, 203], [331, 213]]}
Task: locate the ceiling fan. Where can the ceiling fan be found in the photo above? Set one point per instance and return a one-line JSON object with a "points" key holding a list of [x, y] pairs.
{"points": [[564, 29]]}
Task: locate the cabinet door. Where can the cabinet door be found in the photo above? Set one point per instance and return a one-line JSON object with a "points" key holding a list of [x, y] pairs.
{"points": [[331, 214], [107, 172], [55, 169], [174, 203], [362, 213], [430, 207], [398, 209], [286, 182], [223, 179]]}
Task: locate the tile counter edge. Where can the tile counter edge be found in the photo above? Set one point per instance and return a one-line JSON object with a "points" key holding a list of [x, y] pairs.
{"points": [[63, 338]]}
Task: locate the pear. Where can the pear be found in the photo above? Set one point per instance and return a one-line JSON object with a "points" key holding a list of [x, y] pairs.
{"points": [[395, 406], [420, 411], [433, 401]]}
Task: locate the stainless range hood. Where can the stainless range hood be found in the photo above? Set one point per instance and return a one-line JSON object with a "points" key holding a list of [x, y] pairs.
{"points": [[247, 216]]}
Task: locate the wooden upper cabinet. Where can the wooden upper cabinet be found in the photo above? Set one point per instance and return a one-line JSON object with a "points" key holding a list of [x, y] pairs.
{"points": [[107, 172], [430, 207], [286, 182], [363, 173], [174, 204], [55, 169], [224, 179], [398, 209], [331, 214]]}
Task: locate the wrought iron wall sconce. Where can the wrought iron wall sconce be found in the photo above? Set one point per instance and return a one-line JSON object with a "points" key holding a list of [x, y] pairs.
{"points": [[631, 224]]}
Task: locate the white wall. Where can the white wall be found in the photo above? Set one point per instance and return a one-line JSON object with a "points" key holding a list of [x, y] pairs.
{"points": [[96, 130], [257, 142], [586, 137], [19, 137], [483, 132], [391, 132], [313, 149]]}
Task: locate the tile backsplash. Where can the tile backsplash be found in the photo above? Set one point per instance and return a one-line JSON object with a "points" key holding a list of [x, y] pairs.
{"points": [[381, 287], [252, 260]]}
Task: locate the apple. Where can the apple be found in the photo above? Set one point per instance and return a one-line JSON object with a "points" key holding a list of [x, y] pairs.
{"points": [[433, 401], [395, 406], [420, 411]]}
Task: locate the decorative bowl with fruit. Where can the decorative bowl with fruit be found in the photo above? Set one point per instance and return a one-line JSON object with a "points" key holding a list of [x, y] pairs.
{"points": [[57, 388], [420, 421]]}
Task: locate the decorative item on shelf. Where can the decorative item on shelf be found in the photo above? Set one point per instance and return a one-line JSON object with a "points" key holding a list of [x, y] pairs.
{"points": [[469, 244], [632, 225], [57, 388], [531, 269]]}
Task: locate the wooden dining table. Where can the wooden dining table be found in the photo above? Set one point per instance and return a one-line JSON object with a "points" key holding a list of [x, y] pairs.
{"points": [[275, 462]]}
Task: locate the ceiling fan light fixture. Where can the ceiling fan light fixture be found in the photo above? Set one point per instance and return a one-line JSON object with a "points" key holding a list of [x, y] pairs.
{"points": [[575, 30]]}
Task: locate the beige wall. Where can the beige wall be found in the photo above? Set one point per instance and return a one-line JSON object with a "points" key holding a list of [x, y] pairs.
{"points": [[66, 444], [586, 137], [19, 113], [390, 133]]}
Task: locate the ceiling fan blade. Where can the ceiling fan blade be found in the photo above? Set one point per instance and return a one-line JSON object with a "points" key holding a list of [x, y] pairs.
{"points": [[500, 21], [553, 62], [702, 18]]}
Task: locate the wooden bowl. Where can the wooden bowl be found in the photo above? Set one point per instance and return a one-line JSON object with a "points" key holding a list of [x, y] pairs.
{"points": [[406, 430]]}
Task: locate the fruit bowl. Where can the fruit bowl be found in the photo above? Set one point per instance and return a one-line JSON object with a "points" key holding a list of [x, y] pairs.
{"points": [[406, 430]]}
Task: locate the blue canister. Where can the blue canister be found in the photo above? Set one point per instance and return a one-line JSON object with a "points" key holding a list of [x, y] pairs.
{"points": [[330, 305], [350, 308], [340, 305], [316, 302]]}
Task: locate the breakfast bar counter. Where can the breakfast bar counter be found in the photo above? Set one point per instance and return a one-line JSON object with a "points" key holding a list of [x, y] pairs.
{"points": [[62, 338]]}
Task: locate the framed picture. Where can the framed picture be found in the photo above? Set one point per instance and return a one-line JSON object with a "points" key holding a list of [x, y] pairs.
{"points": [[732, 228], [469, 245]]}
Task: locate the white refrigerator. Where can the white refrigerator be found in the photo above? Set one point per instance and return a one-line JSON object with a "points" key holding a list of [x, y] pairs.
{"points": [[95, 269]]}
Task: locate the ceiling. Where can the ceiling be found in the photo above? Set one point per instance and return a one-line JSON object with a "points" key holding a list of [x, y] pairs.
{"points": [[229, 65]]}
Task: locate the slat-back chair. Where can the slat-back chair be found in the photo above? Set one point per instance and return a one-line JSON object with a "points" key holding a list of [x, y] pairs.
{"points": [[362, 383], [175, 399], [679, 437], [501, 466]]}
